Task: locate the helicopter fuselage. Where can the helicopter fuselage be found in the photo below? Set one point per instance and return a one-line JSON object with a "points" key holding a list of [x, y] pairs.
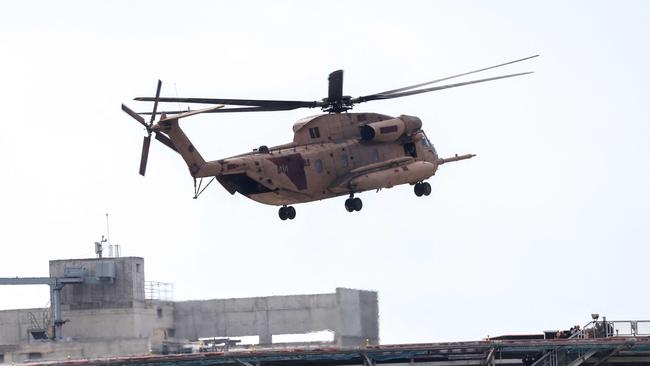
{"points": [[332, 155]]}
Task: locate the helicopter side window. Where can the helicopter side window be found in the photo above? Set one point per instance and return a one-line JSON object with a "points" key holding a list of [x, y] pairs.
{"points": [[409, 149], [344, 160], [314, 132], [319, 165]]}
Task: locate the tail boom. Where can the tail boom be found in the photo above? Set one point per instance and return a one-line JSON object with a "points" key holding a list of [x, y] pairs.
{"points": [[198, 167]]}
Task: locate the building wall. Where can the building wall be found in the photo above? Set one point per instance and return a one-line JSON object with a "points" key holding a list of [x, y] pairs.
{"points": [[52, 351], [350, 314], [358, 317], [126, 291], [141, 321], [113, 318], [154, 320], [14, 324]]}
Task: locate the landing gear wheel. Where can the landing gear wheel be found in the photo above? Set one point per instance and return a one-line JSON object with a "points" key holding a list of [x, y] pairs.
{"points": [[287, 212], [426, 188], [348, 205], [282, 212], [418, 189], [353, 204], [291, 213], [356, 204]]}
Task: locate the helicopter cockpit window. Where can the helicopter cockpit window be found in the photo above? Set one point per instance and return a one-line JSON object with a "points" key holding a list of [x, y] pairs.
{"points": [[427, 144], [318, 164]]}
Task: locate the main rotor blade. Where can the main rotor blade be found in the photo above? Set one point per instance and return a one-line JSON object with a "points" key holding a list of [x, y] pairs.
{"points": [[145, 154], [155, 104], [190, 113], [292, 104], [456, 76], [335, 86], [228, 110], [136, 116], [165, 140], [448, 86]]}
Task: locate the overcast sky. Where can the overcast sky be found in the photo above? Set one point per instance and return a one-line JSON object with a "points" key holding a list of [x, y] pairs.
{"points": [[548, 224]]}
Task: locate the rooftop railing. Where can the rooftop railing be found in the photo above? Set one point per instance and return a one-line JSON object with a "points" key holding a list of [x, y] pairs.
{"points": [[158, 291], [615, 328]]}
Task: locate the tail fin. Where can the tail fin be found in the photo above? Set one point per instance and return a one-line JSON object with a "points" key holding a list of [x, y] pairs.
{"points": [[195, 162]]}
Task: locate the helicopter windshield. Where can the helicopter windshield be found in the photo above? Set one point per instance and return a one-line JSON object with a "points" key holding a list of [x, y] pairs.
{"points": [[427, 144]]}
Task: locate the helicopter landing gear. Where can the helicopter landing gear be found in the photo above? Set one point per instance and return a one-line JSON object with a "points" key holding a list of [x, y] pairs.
{"points": [[422, 189], [353, 204], [287, 212]]}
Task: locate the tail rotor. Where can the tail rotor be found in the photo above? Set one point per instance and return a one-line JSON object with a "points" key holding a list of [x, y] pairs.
{"points": [[146, 143]]}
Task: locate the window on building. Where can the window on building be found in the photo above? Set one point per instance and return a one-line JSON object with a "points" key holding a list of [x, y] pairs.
{"points": [[34, 355], [318, 164], [159, 312], [137, 267]]}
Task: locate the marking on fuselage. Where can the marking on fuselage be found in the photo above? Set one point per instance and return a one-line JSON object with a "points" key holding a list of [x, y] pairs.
{"points": [[293, 166], [388, 129]]}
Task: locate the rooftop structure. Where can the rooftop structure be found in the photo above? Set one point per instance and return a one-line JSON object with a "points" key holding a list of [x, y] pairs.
{"points": [[112, 317], [106, 312]]}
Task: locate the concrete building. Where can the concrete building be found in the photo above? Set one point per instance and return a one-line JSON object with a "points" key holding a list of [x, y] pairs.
{"points": [[109, 314]]}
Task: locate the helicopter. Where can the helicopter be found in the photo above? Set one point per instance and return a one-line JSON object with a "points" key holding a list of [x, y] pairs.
{"points": [[336, 153]]}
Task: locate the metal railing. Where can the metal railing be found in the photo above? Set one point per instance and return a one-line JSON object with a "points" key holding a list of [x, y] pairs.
{"points": [[615, 328], [158, 291]]}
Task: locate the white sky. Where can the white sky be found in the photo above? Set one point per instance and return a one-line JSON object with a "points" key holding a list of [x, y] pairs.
{"points": [[548, 224]]}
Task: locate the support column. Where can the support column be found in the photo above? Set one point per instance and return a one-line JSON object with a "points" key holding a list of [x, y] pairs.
{"points": [[266, 338], [58, 322]]}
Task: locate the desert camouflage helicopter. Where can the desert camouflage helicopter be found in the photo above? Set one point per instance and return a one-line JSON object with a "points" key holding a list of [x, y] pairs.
{"points": [[332, 154]]}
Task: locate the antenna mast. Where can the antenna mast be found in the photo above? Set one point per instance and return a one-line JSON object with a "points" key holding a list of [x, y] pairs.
{"points": [[108, 233], [113, 250], [108, 238]]}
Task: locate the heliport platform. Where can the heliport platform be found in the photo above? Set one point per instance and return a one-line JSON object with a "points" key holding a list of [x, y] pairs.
{"points": [[620, 351]]}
